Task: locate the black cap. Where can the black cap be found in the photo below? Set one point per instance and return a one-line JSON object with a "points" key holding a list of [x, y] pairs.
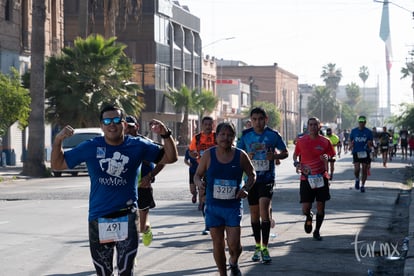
{"points": [[131, 120]]}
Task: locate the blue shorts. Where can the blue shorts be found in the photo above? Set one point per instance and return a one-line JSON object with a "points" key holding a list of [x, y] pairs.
{"points": [[216, 216]]}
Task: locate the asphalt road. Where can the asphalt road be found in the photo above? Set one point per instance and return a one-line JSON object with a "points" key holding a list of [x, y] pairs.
{"points": [[43, 227]]}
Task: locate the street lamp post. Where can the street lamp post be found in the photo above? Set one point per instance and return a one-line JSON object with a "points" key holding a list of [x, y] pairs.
{"points": [[217, 41]]}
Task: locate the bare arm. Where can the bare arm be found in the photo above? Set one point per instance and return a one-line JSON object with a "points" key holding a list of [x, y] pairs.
{"points": [[170, 148], [148, 178], [201, 170], [57, 158], [248, 169]]}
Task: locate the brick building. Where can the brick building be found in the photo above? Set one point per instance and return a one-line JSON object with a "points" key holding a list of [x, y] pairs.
{"points": [[268, 84]]}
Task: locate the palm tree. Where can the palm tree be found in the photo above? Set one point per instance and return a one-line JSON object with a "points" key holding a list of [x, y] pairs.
{"points": [[93, 72], [363, 74], [321, 104], [331, 76], [34, 164], [204, 102], [182, 100], [353, 93], [409, 71]]}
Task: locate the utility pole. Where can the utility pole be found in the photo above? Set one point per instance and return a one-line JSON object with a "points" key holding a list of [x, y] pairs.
{"points": [[251, 88], [300, 112]]}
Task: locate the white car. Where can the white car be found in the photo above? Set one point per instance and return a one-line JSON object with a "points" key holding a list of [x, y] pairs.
{"points": [[79, 135]]}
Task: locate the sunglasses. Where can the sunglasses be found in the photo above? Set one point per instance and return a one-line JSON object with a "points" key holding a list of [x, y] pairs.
{"points": [[115, 120]]}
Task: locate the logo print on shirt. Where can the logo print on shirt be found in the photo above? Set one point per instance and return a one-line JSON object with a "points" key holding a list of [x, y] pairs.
{"points": [[115, 165]]}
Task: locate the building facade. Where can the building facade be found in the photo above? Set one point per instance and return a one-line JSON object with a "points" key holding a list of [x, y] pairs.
{"points": [[164, 46], [270, 84], [15, 51]]}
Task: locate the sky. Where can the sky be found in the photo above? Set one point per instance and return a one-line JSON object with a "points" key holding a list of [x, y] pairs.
{"points": [[302, 36]]}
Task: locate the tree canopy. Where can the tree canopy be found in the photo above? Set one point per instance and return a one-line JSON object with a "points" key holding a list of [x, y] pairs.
{"points": [[93, 72], [275, 118], [15, 101]]}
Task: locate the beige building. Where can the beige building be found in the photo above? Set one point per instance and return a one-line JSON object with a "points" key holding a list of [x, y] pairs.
{"points": [[268, 84]]}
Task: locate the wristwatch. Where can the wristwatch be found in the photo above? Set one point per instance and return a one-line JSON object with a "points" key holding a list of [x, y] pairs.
{"points": [[167, 135]]}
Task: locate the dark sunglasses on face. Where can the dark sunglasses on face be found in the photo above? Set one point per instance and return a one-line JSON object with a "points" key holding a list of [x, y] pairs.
{"points": [[115, 120]]}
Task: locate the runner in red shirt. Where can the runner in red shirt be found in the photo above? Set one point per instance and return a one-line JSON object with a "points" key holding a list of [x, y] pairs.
{"points": [[310, 159]]}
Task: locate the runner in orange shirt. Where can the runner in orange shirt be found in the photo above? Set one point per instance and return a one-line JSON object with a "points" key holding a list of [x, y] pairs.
{"points": [[201, 142]]}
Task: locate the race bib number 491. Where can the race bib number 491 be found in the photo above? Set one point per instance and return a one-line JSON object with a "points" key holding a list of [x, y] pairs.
{"points": [[113, 229]]}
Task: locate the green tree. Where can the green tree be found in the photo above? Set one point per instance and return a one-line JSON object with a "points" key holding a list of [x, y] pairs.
{"points": [[93, 72], [322, 104], [331, 76], [182, 100], [14, 103], [273, 113], [408, 71], [34, 164], [204, 102], [406, 117], [348, 117], [363, 74], [353, 93]]}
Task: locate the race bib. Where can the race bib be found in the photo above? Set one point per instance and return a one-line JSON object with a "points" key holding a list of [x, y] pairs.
{"points": [[260, 165], [113, 229], [384, 147], [316, 181], [224, 189], [362, 154]]}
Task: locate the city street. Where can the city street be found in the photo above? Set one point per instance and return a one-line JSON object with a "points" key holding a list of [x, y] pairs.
{"points": [[43, 226]]}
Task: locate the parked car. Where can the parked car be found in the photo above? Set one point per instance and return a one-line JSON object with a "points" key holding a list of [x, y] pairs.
{"points": [[79, 135]]}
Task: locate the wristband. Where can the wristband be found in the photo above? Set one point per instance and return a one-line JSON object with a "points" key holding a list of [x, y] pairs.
{"points": [[295, 163], [245, 188], [166, 135]]}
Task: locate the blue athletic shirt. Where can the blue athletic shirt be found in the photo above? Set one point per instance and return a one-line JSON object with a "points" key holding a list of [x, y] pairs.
{"points": [[360, 139], [193, 162], [112, 170], [260, 144], [224, 180]]}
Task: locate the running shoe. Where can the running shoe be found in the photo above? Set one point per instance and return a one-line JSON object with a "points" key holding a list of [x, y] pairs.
{"points": [[265, 256], [205, 232], [272, 223], [357, 184], [234, 270], [317, 236], [362, 189], [308, 223], [256, 255], [147, 237], [194, 198]]}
